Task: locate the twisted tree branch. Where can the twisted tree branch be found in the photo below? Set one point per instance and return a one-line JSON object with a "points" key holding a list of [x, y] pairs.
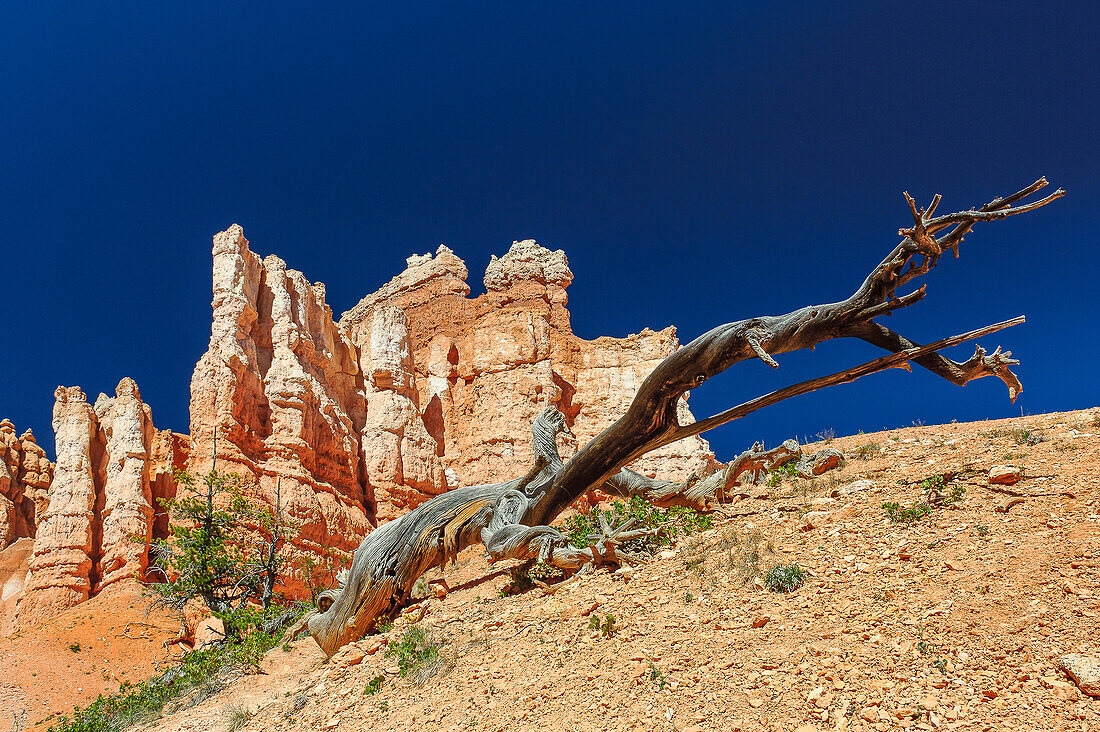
{"points": [[511, 518]]}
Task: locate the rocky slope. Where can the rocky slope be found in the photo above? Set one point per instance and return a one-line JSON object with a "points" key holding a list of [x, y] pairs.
{"points": [[955, 621]]}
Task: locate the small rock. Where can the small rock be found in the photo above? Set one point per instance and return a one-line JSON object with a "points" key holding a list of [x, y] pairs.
{"points": [[760, 621], [815, 519], [210, 630], [1084, 670], [1004, 475], [669, 553], [351, 656], [626, 572], [755, 701], [857, 486], [1008, 503]]}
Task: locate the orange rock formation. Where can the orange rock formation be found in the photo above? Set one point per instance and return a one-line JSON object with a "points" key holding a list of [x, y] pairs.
{"points": [[416, 390], [25, 474], [111, 467]]}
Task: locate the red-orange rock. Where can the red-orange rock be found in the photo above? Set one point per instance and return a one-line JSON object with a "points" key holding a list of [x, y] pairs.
{"points": [[416, 390], [25, 474], [485, 366], [110, 457], [280, 391]]}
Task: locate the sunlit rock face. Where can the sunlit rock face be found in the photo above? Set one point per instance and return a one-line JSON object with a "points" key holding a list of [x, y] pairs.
{"points": [[279, 398], [25, 474], [416, 390], [484, 367], [112, 467], [345, 424]]}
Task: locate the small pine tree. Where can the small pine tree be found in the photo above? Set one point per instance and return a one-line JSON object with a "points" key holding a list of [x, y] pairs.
{"points": [[224, 550]]}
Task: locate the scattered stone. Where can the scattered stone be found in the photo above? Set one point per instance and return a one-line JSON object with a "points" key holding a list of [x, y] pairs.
{"points": [[1008, 503], [1004, 475], [209, 631], [760, 621], [1084, 670], [858, 486]]}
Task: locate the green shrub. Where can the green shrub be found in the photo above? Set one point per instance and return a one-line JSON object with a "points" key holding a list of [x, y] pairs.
{"points": [[583, 528], [375, 685], [776, 477], [417, 654], [784, 578], [935, 497], [606, 627], [657, 676]]}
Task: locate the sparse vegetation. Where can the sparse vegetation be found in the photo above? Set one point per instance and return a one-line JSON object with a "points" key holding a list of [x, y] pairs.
{"points": [[935, 497], [784, 578], [606, 627], [375, 685], [982, 530], [419, 655], [657, 676], [668, 523], [866, 451], [1024, 436], [74, 647], [777, 476], [235, 716], [199, 675]]}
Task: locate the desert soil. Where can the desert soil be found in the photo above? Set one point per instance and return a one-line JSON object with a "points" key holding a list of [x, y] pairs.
{"points": [[953, 621]]}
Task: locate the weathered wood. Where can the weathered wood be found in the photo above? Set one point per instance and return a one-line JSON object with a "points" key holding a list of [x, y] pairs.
{"points": [[511, 518]]}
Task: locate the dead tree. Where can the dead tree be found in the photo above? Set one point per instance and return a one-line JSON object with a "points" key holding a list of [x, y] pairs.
{"points": [[511, 518]]}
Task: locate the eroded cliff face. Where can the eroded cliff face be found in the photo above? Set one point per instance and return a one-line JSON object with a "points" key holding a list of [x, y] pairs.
{"points": [[485, 366], [416, 390], [112, 465], [279, 396], [25, 474]]}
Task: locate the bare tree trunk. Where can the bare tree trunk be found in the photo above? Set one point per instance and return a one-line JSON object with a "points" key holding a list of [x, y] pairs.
{"points": [[510, 518]]}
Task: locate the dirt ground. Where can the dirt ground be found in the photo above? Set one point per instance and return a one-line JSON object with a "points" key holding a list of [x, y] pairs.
{"points": [[954, 621], [90, 649]]}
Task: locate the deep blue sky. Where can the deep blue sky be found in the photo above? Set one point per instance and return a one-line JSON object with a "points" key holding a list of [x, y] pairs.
{"points": [[699, 163]]}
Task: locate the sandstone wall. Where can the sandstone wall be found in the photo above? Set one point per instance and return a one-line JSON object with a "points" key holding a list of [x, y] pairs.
{"points": [[25, 474], [417, 389], [485, 366], [279, 394], [112, 464]]}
